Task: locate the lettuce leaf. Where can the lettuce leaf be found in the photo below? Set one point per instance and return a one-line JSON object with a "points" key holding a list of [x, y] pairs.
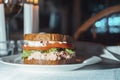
{"points": [[69, 51], [26, 53], [49, 50]]}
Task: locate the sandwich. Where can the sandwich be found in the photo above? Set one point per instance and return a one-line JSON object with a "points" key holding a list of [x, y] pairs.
{"points": [[48, 49]]}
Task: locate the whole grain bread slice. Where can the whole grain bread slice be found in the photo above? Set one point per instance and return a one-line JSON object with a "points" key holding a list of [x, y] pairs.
{"points": [[47, 37]]}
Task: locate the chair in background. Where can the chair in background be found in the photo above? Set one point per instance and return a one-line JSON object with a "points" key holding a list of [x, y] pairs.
{"points": [[91, 22]]}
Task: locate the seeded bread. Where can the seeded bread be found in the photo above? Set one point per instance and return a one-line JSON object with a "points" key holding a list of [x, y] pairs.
{"points": [[47, 37], [51, 62]]}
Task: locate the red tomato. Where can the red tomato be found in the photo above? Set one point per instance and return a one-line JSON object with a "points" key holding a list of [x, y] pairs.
{"points": [[48, 46]]}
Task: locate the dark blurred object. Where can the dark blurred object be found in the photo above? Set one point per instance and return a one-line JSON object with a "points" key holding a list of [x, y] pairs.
{"points": [[13, 10], [54, 15], [106, 38]]}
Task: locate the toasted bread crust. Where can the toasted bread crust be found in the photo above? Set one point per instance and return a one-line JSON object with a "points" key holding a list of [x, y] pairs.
{"points": [[49, 62], [47, 37]]}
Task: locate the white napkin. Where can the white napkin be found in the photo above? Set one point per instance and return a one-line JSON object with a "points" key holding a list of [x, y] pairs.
{"points": [[112, 52], [28, 18], [114, 49]]}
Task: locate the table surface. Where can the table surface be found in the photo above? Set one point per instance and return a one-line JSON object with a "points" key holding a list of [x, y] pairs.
{"points": [[99, 71]]}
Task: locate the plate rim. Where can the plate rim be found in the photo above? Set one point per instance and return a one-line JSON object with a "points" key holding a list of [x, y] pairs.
{"points": [[63, 67]]}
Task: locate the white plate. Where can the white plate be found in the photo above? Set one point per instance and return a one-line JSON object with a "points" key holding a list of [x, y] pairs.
{"points": [[9, 60]]}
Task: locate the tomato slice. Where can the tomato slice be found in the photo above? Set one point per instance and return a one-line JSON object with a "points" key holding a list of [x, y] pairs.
{"points": [[48, 46]]}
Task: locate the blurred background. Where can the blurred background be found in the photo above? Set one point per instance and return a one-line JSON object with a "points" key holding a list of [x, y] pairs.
{"points": [[65, 16]]}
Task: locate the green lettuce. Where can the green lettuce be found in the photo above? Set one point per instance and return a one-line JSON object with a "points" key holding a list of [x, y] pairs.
{"points": [[26, 53], [69, 51], [50, 50]]}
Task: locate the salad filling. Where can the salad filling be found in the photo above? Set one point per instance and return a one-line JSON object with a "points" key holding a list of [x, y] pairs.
{"points": [[50, 54]]}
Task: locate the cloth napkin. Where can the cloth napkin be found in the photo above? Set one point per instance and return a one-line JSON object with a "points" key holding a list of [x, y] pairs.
{"points": [[112, 52]]}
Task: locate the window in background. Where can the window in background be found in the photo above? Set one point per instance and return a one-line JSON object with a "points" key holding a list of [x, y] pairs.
{"points": [[113, 24], [101, 26]]}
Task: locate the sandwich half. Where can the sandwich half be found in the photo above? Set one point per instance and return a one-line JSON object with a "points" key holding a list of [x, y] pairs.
{"points": [[48, 49]]}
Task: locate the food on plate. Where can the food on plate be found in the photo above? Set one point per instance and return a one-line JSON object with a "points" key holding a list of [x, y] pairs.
{"points": [[48, 49]]}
